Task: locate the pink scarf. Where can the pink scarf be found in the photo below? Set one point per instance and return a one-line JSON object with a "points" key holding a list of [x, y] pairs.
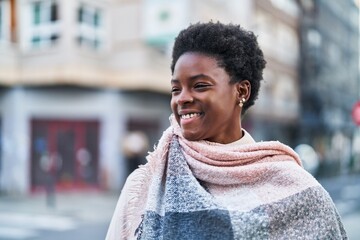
{"points": [[184, 177]]}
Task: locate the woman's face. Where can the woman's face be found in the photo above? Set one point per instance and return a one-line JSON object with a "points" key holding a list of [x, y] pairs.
{"points": [[204, 102]]}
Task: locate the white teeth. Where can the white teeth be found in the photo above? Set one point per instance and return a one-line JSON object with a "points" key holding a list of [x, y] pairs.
{"points": [[189, 115]]}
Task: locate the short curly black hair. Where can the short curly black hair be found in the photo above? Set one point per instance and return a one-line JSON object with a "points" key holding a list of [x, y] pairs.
{"points": [[235, 49]]}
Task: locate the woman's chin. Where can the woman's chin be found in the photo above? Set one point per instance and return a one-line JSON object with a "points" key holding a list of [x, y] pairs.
{"points": [[191, 136]]}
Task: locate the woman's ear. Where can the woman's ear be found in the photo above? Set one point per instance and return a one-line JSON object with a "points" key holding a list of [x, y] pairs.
{"points": [[244, 90]]}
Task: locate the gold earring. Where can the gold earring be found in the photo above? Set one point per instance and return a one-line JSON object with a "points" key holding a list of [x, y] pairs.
{"points": [[242, 101]]}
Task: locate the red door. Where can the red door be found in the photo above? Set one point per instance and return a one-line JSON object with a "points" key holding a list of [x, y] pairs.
{"points": [[64, 154]]}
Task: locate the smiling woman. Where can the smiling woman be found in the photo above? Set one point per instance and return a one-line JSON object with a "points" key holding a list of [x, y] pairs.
{"points": [[208, 178], [198, 85]]}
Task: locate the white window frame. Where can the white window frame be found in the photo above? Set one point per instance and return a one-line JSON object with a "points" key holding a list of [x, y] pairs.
{"points": [[88, 31], [44, 30], [5, 21], [288, 40]]}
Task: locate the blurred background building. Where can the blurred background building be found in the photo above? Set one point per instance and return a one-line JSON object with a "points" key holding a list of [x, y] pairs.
{"points": [[330, 85], [83, 80]]}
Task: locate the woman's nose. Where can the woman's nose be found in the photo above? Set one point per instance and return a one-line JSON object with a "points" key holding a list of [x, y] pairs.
{"points": [[185, 97]]}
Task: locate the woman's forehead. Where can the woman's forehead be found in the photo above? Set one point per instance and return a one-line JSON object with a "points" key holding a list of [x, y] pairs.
{"points": [[195, 62]]}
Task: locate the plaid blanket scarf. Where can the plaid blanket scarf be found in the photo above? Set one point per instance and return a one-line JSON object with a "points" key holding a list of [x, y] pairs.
{"points": [[203, 190]]}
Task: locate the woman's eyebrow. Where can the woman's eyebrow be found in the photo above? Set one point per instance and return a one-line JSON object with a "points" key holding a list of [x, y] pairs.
{"points": [[193, 78]]}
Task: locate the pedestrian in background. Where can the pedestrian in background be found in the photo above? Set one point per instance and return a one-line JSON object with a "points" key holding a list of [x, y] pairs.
{"points": [[208, 178]]}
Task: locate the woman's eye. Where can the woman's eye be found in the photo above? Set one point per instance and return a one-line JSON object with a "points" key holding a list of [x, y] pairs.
{"points": [[201, 85], [173, 90]]}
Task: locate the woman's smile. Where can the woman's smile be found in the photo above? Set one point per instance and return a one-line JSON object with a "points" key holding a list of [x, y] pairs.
{"points": [[189, 118], [189, 115]]}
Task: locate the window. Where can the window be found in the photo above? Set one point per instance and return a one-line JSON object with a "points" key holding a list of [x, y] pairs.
{"points": [[4, 21], [43, 29], [53, 12], [314, 38], [288, 6], [286, 95], [44, 12], [288, 40], [265, 26], [91, 29], [37, 13], [0, 20], [266, 99]]}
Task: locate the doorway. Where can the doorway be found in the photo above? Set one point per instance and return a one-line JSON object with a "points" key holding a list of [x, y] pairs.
{"points": [[64, 154]]}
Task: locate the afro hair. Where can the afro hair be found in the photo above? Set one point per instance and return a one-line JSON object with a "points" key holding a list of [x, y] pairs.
{"points": [[235, 49]]}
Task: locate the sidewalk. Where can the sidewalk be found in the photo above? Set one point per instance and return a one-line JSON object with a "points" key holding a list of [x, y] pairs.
{"points": [[87, 206], [351, 224], [31, 217], [345, 192]]}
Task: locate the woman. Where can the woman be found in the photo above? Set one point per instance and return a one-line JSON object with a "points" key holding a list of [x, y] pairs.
{"points": [[208, 178]]}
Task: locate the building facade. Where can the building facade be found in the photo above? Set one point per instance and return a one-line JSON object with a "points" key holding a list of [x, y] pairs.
{"points": [[68, 99], [276, 113], [80, 77], [330, 82]]}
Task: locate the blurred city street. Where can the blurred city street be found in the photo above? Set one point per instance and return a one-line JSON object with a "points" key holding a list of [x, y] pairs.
{"points": [[345, 192], [83, 216], [85, 92], [77, 216]]}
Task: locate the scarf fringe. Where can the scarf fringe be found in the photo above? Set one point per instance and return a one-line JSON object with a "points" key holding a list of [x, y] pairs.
{"points": [[140, 180], [135, 189]]}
